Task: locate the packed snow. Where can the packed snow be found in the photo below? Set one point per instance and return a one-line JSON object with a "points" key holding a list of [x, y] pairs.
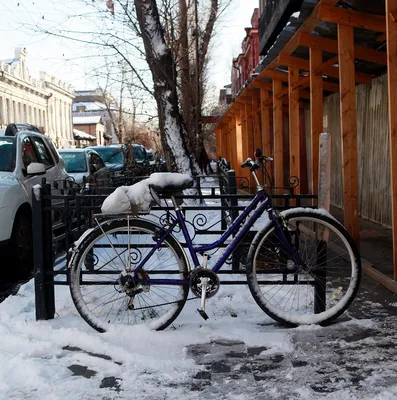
{"points": [[238, 353]]}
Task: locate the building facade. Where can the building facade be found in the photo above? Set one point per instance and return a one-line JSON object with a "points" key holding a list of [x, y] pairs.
{"points": [[95, 103], [245, 63], [93, 126], [45, 102]]}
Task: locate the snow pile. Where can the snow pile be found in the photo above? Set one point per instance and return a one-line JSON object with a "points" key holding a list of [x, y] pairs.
{"points": [[138, 197]]}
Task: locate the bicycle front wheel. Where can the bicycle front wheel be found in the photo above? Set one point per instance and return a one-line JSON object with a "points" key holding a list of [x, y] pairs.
{"points": [[103, 288], [316, 292]]}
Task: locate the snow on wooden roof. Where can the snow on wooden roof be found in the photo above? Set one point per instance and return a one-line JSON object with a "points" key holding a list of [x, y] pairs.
{"points": [[87, 120]]}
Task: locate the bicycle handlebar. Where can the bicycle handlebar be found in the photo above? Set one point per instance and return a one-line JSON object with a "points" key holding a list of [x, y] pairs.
{"points": [[258, 155]]}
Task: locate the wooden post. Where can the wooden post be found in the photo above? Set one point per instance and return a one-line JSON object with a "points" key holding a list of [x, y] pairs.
{"points": [[324, 171], [391, 34], [294, 131], [249, 130], [349, 130], [256, 109], [266, 129], [278, 134], [239, 145], [316, 111], [233, 143]]}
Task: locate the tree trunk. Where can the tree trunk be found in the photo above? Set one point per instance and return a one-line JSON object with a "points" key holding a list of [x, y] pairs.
{"points": [[162, 66]]}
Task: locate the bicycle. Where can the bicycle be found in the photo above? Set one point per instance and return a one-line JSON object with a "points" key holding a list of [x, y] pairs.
{"points": [[302, 267]]}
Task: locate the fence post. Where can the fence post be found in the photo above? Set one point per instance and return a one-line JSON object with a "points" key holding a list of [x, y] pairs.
{"points": [[43, 252], [324, 190]]}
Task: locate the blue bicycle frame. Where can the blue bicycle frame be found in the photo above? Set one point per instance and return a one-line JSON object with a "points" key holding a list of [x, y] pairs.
{"points": [[261, 199]]}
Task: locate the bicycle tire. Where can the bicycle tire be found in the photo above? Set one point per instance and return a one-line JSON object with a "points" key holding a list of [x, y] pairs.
{"points": [[291, 295], [95, 275]]}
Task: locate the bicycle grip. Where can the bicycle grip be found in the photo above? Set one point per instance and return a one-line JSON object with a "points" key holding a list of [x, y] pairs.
{"points": [[246, 163]]}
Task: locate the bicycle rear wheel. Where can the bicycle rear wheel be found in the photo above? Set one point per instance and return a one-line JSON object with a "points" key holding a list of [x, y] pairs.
{"points": [[104, 290], [316, 293]]}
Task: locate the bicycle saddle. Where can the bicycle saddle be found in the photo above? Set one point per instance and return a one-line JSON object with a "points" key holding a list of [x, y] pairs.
{"points": [[170, 182]]}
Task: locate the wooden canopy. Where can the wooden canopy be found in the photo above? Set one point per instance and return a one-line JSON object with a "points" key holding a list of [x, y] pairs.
{"points": [[334, 49]]}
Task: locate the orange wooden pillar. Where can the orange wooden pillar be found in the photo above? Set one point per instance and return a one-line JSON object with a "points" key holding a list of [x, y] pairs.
{"points": [[256, 114], [348, 130], [278, 134], [294, 123], [239, 144], [391, 35], [316, 111], [249, 129], [233, 141], [266, 128]]}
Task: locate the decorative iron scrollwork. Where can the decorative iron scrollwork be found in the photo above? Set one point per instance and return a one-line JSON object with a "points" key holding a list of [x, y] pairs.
{"points": [[293, 181]]}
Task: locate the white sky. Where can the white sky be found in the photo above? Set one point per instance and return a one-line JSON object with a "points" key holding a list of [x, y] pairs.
{"points": [[55, 55]]}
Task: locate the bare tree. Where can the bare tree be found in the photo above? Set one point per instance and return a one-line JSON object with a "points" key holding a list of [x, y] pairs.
{"points": [[168, 46]]}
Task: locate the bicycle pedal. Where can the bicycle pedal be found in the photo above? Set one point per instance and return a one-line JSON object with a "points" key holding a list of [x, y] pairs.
{"points": [[203, 314]]}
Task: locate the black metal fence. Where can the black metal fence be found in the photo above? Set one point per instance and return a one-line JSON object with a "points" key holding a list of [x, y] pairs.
{"points": [[62, 213]]}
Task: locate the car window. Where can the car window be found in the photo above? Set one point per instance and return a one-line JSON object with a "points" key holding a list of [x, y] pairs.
{"points": [[54, 152], [7, 154], [74, 161], [111, 155], [43, 152], [139, 153], [29, 154], [97, 161]]}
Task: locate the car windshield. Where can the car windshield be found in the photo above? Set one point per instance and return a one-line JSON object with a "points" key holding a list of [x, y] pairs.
{"points": [[74, 162], [139, 154], [111, 155], [7, 154], [150, 156]]}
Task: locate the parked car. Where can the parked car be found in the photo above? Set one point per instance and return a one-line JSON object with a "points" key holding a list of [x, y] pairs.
{"points": [[86, 165], [26, 156], [151, 157], [115, 158]]}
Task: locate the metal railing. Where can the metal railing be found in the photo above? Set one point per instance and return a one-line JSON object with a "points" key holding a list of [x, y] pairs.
{"points": [[61, 214]]}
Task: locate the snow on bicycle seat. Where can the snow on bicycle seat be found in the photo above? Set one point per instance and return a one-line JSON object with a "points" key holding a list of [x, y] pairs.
{"points": [[137, 198]]}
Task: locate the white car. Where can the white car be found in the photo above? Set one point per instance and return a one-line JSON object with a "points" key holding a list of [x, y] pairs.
{"points": [[26, 156]]}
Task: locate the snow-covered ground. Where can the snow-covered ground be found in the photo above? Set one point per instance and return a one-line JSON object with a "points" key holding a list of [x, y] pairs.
{"points": [[239, 353]]}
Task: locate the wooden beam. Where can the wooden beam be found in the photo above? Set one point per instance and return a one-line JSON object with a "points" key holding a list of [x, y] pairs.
{"points": [[294, 131], [280, 76], [266, 129], [327, 70], [325, 44], [316, 112], [348, 119], [278, 135], [355, 19], [391, 5]]}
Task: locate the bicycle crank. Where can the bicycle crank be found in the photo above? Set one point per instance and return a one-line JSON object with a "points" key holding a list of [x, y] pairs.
{"points": [[205, 284]]}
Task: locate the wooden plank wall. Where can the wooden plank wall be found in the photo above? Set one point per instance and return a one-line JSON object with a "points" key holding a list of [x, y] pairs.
{"points": [[373, 150]]}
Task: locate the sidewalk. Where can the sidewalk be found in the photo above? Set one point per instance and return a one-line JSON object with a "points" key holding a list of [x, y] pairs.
{"points": [[376, 244]]}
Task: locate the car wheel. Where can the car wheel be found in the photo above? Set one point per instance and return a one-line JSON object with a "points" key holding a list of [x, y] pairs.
{"points": [[22, 246]]}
